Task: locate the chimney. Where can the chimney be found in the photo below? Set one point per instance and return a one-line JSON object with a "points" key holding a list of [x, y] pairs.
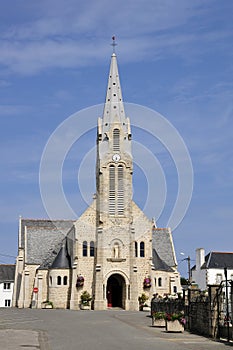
{"points": [[200, 257]]}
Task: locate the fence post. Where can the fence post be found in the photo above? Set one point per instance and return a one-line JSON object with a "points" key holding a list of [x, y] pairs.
{"points": [[214, 311]]}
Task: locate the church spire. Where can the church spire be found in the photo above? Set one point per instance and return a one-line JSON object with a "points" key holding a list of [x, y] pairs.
{"points": [[113, 108], [114, 121]]}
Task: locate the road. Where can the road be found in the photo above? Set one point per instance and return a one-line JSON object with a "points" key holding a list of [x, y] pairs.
{"points": [[89, 330]]}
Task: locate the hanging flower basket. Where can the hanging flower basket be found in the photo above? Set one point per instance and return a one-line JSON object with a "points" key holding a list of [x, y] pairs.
{"points": [[80, 281], [147, 282]]}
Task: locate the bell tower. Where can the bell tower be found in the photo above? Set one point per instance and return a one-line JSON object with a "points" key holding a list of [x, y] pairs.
{"points": [[114, 157], [114, 168]]}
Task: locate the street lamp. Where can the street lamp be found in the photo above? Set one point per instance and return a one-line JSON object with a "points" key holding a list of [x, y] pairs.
{"points": [[189, 267]]}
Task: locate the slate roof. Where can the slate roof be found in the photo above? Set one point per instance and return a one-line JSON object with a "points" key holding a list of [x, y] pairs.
{"points": [[159, 264], [62, 260], [218, 260], [163, 244], [42, 239], [7, 273]]}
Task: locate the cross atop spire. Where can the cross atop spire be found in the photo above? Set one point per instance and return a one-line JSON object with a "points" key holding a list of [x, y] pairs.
{"points": [[114, 44]]}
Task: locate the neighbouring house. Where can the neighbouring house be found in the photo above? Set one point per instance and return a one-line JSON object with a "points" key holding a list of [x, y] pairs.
{"points": [[210, 269], [7, 276]]}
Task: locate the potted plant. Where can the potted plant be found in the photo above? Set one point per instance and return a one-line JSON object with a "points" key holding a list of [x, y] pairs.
{"points": [[142, 302], [158, 318], [175, 322], [47, 305], [85, 300]]}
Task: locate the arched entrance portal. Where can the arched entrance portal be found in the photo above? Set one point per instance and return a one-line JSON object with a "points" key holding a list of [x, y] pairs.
{"points": [[116, 291]]}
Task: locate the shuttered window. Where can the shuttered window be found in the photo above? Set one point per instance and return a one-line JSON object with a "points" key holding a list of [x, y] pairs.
{"points": [[116, 190], [116, 140], [120, 192], [112, 191]]}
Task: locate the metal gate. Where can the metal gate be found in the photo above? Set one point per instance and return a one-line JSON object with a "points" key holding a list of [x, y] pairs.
{"points": [[224, 298]]}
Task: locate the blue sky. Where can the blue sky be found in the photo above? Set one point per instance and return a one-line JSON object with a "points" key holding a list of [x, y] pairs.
{"points": [[175, 57]]}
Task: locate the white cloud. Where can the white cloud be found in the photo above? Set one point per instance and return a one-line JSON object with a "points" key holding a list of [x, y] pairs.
{"points": [[76, 34]]}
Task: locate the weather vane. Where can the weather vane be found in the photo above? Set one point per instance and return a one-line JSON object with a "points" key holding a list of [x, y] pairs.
{"points": [[114, 44]]}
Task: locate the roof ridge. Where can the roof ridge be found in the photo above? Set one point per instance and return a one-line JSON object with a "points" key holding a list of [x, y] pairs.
{"points": [[221, 252], [51, 220]]}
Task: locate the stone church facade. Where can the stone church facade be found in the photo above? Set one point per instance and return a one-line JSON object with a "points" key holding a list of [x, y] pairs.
{"points": [[112, 250]]}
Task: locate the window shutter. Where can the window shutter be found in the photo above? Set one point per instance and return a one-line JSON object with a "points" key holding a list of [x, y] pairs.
{"points": [[112, 190], [116, 140], [120, 197]]}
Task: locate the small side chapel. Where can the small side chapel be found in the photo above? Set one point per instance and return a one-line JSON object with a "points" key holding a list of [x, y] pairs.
{"points": [[112, 251]]}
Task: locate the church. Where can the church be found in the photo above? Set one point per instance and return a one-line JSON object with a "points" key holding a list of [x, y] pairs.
{"points": [[112, 251]]}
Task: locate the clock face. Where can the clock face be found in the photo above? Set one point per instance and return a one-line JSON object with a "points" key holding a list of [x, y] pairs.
{"points": [[116, 157]]}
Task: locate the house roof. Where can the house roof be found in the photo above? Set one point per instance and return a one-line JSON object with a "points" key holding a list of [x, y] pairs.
{"points": [[159, 264], [218, 260], [7, 273]]}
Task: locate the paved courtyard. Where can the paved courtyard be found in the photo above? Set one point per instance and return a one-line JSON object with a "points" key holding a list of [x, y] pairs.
{"points": [[79, 330]]}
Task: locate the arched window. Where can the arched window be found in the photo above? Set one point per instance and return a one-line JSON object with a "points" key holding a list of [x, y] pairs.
{"points": [[174, 289], [155, 281], [120, 195], [136, 249], [58, 280], [142, 249], [65, 280], [85, 248], [50, 280], [116, 140], [112, 191], [92, 248], [160, 282]]}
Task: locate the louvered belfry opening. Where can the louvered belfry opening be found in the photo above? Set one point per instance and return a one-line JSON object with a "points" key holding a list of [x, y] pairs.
{"points": [[116, 140], [120, 194], [116, 190], [112, 190]]}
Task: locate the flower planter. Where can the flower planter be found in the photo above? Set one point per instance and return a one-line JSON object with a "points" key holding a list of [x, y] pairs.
{"points": [[174, 326], [85, 307], [158, 323], [46, 305], [146, 308]]}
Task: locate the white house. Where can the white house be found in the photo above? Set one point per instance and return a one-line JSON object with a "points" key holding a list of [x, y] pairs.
{"points": [[7, 276], [210, 268]]}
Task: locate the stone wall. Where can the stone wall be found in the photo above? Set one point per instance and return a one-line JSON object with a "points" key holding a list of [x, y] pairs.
{"points": [[59, 292], [167, 305], [199, 320]]}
